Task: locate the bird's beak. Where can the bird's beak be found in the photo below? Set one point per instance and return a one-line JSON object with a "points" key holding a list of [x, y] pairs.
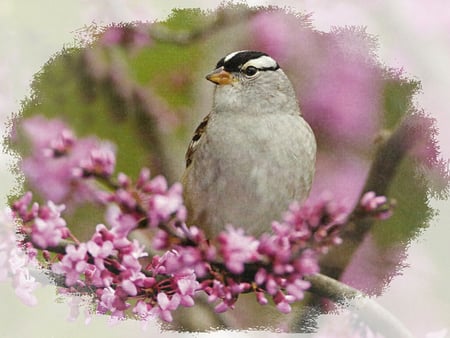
{"points": [[220, 76]]}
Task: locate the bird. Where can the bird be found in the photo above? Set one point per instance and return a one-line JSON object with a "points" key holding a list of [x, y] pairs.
{"points": [[253, 154]]}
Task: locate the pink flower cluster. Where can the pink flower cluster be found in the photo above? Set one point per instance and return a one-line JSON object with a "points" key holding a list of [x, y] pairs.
{"points": [[58, 160], [121, 276], [273, 264], [377, 206], [46, 227], [305, 232], [110, 264]]}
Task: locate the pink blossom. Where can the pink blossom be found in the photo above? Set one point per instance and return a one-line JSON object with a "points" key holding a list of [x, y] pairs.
{"points": [[129, 287], [321, 219], [53, 176], [185, 258], [143, 178], [121, 223], [162, 206], [47, 225], [370, 201], [61, 144], [44, 132], [49, 228], [142, 309], [124, 198], [237, 249], [227, 293], [100, 161], [294, 247], [109, 261], [131, 262], [187, 287], [376, 206], [22, 209], [98, 276], [161, 240], [222, 307], [73, 264], [261, 299], [112, 301], [100, 251], [307, 263], [161, 203], [282, 302], [166, 305], [297, 287], [157, 185]]}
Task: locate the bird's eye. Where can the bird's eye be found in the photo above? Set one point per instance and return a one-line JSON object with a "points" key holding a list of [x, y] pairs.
{"points": [[250, 71]]}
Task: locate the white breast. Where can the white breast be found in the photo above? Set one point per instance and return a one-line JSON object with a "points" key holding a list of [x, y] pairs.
{"points": [[248, 170]]}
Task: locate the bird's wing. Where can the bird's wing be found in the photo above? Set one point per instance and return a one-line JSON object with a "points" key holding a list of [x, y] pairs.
{"points": [[195, 141]]}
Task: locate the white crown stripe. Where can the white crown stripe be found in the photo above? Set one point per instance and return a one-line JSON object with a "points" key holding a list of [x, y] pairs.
{"points": [[230, 56], [261, 63]]}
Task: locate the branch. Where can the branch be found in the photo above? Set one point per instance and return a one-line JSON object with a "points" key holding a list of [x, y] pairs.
{"points": [[374, 315], [388, 157], [321, 285], [369, 311]]}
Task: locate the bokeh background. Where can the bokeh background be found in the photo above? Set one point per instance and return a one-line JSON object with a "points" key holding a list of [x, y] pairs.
{"points": [[414, 36]]}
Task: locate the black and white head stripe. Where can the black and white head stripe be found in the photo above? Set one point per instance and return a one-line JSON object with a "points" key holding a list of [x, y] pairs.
{"points": [[236, 61]]}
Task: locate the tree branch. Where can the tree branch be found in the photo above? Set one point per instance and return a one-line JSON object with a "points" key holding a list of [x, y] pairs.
{"points": [[323, 286], [387, 159], [374, 315]]}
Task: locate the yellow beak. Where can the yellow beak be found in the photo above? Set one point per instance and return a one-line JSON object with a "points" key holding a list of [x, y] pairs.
{"points": [[220, 76]]}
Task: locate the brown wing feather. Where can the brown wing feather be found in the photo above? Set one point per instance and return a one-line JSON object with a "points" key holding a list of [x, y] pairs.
{"points": [[196, 140]]}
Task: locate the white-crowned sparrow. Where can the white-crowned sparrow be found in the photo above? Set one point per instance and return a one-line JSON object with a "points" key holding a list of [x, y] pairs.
{"points": [[253, 154]]}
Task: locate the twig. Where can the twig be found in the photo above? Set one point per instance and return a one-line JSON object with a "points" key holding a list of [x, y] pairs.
{"points": [[374, 315]]}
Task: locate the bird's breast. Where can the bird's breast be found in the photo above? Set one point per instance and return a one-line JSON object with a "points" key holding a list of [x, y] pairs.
{"points": [[250, 168]]}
